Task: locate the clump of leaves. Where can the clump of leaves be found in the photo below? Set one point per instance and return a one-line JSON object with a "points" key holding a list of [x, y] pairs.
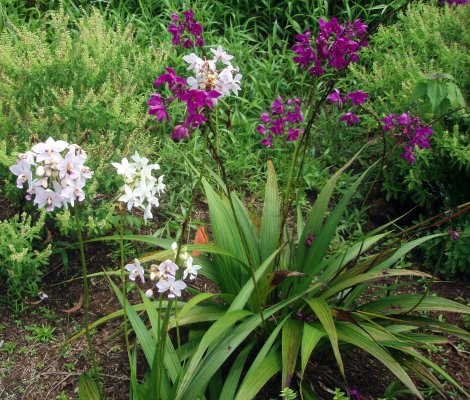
{"points": [[22, 255]]}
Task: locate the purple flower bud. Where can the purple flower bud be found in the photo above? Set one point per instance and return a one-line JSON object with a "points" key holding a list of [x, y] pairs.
{"points": [[454, 234], [310, 240], [180, 132]]}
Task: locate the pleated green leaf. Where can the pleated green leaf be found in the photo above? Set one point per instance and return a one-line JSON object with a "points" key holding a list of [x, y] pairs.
{"points": [[406, 302], [310, 338], [270, 366], [291, 339], [271, 219], [322, 310], [352, 334], [87, 388], [231, 381], [317, 214]]}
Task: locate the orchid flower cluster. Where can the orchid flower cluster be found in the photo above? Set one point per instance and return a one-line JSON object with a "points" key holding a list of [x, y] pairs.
{"points": [[455, 2], [212, 79], [187, 32], [355, 98], [409, 131], [165, 274], [335, 47], [284, 119], [55, 173], [141, 188]]}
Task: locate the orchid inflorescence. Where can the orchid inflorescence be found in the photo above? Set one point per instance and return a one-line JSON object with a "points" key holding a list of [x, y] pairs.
{"points": [[355, 98], [212, 79], [283, 120], [141, 188], [183, 30], [166, 274], [335, 47], [455, 2], [55, 173], [409, 131]]}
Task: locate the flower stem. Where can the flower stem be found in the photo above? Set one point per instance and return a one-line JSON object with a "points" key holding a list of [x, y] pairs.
{"points": [[86, 301], [123, 282]]}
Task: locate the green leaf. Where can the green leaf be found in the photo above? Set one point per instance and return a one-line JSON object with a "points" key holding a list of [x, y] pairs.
{"points": [[322, 310], [434, 366], [245, 293], [228, 344], [231, 382], [317, 214], [192, 303], [310, 338], [271, 220], [87, 388], [455, 96], [164, 243], [267, 368], [406, 302], [437, 93], [354, 335], [369, 277], [230, 274], [291, 339], [214, 333]]}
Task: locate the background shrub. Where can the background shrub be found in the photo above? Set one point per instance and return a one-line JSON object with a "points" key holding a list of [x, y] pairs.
{"points": [[22, 256]]}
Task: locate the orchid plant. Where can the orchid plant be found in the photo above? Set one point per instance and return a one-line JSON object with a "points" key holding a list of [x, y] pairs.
{"points": [[284, 296], [56, 175]]}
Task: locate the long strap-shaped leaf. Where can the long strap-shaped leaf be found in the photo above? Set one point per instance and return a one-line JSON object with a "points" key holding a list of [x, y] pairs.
{"points": [[231, 382], [225, 347], [435, 367], [323, 311], [291, 340], [389, 262], [215, 332], [271, 220], [351, 334], [405, 302], [370, 277], [146, 340], [260, 375], [245, 293], [310, 338], [226, 235], [317, 214], [312, 262]]}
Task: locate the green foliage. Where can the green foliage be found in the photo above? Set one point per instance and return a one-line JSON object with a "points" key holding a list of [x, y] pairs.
{"points": [[420, 64], [340, 395], [425, 39], [22, 257], [84, 82], [288, 394], [448, 257], [313, 301]]}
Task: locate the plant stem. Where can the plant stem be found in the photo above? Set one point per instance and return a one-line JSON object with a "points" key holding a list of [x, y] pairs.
{"points": [[86, 301], [123, 282], [162, 344], [184, 226]]}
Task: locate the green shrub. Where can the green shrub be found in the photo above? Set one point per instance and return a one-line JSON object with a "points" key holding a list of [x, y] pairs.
{"points": [[420, 64], [22, 256], [397, 64]]}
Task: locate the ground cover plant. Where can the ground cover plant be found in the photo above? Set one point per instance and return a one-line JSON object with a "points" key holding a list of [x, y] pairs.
{"points": [[217, 244]]}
